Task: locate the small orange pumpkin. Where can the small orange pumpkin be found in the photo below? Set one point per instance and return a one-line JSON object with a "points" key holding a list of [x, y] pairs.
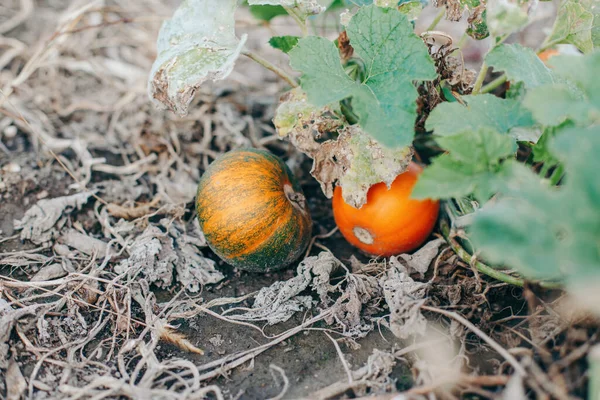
{"points": [[390, 222], [252, 211], [547, 54]]}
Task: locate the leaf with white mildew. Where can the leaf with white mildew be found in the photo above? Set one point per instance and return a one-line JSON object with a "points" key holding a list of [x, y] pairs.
{"points": [[196, 45]]}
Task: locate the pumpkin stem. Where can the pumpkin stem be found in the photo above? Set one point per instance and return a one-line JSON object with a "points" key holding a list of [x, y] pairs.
{"points": [[297, 199]]}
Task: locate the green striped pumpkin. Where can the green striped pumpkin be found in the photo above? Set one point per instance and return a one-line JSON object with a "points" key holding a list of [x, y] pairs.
{"points": [[252, 211]]}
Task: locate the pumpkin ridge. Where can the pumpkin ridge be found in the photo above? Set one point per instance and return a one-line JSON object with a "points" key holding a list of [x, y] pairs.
{"points": [[249, 215]]}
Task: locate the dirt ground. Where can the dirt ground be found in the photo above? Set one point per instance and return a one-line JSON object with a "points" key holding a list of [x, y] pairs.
{"points": [[100, 323]]}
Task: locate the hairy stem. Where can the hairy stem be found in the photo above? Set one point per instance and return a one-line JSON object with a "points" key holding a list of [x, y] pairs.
{"points": [[300, 21], [484, 67], [594, 373], [480, 78], [481, 267], [557, 175], [271, 67], [437, 19]]}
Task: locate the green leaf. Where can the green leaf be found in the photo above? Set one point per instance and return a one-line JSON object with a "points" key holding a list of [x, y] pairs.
{"points": [[573, 25], [548, 232], [284, 43], [520, 64], [394, 57], [412, 9], [301, 8], [267, 13], [471, 166], [486, 110], [323, 79], [506, 16], [196, 45], [577, 99]]}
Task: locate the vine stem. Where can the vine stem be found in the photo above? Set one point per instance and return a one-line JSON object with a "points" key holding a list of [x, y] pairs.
{"points": [[594, 373], [484, 67], [271, 67], [493, 84], [479, 81], [437, 19], [483, 268], [301, 22]]}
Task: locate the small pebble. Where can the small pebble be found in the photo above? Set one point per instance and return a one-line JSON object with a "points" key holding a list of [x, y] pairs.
{"points": [[12, 168], [10, 132]]}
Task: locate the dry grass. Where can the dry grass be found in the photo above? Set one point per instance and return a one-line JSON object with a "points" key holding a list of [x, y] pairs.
{"points": [[78, 318]]}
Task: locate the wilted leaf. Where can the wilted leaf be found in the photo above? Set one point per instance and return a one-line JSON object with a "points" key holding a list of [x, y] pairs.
{"points": [[574, 24], [484, 110], [471, 166], [38, 223], [386, 100], [422, 258], [354, 159], [520, 64], [477, 20], [278, 302], [196, 45], [364, 162], [551, 232], [404, 298], [162, 256]]}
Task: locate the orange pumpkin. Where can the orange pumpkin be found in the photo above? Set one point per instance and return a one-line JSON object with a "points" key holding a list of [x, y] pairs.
{"points": [[252, 211], [546, 54], [390, 222]]}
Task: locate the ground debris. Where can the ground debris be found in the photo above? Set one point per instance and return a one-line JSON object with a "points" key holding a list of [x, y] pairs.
{"points": [[278, 302], [163, 256], [41, 221], [404, 297]]}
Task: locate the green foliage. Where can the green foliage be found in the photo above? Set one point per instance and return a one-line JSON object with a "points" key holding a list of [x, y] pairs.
{"points": [[577, 99], [284, 43], [385, 100], [267, 12], [547, 232], [484, 110], [520, 64], [472, 165], [542, 230], [506, 16]]}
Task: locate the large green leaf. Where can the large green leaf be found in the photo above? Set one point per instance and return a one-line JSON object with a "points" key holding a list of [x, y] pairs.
{"points": [[486, 110], [577, 99], [548, 232], [394, 57], [520, 64], [196, 45], [471, 166]]}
